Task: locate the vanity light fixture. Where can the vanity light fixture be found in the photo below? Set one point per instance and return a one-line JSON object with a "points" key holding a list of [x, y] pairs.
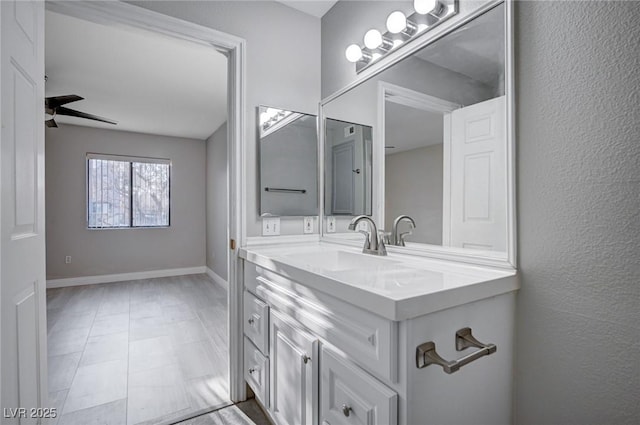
{"points": [[373, 39], [401, 28], [354, 53], [397, 23], [431, 7], [272, 116]]}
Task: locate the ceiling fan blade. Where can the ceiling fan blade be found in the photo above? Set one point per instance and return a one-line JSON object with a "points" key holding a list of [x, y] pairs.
{"points": [[55, 101], [72, 113], [51, 123]]}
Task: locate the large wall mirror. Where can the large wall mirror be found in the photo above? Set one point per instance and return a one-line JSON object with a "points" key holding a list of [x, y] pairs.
{"points": [[288, 144], [441, 146]]}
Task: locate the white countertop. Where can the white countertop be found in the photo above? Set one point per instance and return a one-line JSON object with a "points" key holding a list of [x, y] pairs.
{"points": [[397, 286]]}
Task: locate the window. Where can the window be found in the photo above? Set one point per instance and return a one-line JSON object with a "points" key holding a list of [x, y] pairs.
{"points": [[126, 192]]}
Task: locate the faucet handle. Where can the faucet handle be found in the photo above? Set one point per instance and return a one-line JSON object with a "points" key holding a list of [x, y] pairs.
{"points": [[367, 242], [382, 235], [402, 236]]}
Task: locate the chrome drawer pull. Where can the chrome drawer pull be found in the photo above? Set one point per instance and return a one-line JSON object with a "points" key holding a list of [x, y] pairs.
{"points": [[346, 410], [251, 370], [251, 320], [426, 353], [306, 359]]}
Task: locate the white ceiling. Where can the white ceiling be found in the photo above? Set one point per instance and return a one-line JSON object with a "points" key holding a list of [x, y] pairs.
{"points": [[409, 128], [147, 82], [475, 50], [311, 7]]}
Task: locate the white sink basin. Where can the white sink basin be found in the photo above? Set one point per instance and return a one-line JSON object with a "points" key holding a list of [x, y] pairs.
{"points": [[341, 260]]}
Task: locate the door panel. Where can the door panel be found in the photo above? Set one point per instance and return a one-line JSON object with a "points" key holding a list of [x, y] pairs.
{"points": [[477, 177], [22, 250], [343, 178], [293, 359], [350, 396]]}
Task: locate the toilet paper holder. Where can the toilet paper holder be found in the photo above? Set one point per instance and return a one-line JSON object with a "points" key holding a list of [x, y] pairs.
{"points": [[426, 353]]}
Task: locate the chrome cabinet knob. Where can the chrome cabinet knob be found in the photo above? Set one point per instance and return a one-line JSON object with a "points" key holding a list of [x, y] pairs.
{"points": [[251, 370], [251, 320], [306, 359], [346, 410]]}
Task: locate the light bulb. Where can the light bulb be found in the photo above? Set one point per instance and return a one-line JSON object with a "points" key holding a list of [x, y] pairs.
{"points": [[271, 112], [433, 7], [396, 22], [353, 53], [373, 39]]}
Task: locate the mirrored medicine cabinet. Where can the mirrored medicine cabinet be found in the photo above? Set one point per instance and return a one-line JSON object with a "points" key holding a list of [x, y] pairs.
{"points": [[288, 149]]}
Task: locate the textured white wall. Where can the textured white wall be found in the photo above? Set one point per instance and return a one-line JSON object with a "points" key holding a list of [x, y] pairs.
{"points": [[217, 202], [578, 82], [283, 68], [578, 171], [98, 252]]}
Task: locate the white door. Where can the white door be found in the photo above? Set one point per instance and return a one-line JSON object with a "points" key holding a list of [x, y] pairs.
{"points": [[22, 249], [344, 183], [477, 174], [294, 373]]}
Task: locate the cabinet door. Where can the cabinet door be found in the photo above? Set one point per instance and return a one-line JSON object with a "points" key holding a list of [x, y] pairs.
{"points": [[350, 396], [294, 372], [256, 371]]}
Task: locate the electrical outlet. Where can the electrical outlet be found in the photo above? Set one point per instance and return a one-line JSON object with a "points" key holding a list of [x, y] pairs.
{"points": [[307, 225], [67, 259], [331, 224], [270, 226]]}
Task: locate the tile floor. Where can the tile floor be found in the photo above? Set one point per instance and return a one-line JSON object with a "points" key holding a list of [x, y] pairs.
{"points": [[139, 352], [245, 413]]}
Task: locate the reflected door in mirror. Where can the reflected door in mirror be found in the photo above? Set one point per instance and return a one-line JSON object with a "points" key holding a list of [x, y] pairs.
{"points": [[348, 168]]}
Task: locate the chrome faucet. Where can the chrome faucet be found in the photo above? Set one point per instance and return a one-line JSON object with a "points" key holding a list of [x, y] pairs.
{"points": [[398, 238], [374, 242]]}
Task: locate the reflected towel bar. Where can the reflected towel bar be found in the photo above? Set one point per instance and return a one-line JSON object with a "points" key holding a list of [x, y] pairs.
{"points": [[275, 189], [426, 353]]}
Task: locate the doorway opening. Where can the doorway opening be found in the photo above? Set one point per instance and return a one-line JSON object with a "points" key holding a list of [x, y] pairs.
{"points": [[158, 345]]}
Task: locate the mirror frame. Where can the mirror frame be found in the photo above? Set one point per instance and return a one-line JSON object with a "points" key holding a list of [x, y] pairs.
{"points": [[505, 260]]}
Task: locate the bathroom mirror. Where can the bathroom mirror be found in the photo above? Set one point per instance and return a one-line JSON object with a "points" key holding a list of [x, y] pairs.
{"points": [[288, 146], [441, 142]]}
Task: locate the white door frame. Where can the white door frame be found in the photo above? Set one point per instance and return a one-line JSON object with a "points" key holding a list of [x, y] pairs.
{"points": [[118, 13], [388, 92]]}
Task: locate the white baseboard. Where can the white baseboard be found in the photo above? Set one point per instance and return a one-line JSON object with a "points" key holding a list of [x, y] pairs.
{"points": [[107, 278], [217, 279]]}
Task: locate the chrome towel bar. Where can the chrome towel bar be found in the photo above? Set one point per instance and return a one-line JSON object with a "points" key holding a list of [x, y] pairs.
{"points": [[426, 353], [276, 189]]}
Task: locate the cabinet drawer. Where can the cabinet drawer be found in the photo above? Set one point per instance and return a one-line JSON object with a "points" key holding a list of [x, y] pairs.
{"points": [[256, 321], [256, 371], [350, 396]]}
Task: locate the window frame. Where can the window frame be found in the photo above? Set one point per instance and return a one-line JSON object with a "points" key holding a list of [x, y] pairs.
{"points": [[130, 159]]}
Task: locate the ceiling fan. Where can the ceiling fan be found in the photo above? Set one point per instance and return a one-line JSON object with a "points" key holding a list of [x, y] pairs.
{"points": [[53, 106]]}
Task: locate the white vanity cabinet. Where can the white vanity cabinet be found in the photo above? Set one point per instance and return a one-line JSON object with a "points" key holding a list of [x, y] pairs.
{"points": [[294, 372], [335, 360], [349, 395]]}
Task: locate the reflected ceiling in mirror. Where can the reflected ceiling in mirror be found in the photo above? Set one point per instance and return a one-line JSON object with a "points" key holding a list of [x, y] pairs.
{"points": [[440, 151]]}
